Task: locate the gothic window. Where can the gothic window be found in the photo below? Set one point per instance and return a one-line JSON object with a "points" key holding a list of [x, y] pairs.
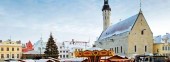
{"points": [[142, 32], [145, 48], [135, 48]]}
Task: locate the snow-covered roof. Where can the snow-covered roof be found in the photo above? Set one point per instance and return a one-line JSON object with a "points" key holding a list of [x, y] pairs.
{"points": [[40, 42], [41, 60], [32, 52], [72, 59], [94, 48], [120, 27], [161, 38], [158, 39]]}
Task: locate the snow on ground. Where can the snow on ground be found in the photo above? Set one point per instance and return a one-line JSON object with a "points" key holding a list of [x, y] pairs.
{"points": [[40, 60]]}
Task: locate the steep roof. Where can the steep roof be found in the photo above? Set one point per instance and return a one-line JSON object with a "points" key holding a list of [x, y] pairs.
{"points": [[160, 38], [120, 27]]}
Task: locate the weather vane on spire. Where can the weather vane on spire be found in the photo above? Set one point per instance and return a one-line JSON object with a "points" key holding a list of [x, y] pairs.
{"points": [[140, 4]]}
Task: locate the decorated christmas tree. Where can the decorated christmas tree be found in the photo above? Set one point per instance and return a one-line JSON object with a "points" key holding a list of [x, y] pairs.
{"points": [[51, 48]]}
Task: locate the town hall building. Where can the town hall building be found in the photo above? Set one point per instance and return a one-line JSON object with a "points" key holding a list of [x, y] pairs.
{"points": [[128, 37]]}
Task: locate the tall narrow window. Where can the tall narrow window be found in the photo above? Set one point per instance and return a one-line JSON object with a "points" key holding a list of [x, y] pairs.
{"points": [[12, 55], [117, 50], [121, 49], [135, 48], [145, 48], [2, 55], [163, 48], [17, 55], [7, 55], [17, 49], [2, 49], [60, 56], [142, 32], [67, 56], [12, 49]]}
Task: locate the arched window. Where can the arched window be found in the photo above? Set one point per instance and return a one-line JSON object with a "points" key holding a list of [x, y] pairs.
{"points": [[142, 32]]}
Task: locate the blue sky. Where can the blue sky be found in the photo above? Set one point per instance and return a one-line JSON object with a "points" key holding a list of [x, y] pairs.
{"points": [[73, 19]]}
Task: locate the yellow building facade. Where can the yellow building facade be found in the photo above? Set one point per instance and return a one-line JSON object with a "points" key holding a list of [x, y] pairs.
{"points": [[10, 50], [161, 49]]}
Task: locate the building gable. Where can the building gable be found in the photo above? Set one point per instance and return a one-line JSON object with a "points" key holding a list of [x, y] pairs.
{"points": [[143, 23], [140, 39]]}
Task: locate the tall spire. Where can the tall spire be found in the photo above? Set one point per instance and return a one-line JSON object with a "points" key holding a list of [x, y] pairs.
{"points": [[106, 15], [105, 2], [106, 6], [41, 37]]}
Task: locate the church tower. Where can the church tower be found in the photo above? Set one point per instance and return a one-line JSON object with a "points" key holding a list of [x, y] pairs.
{"points": [[106, 15]]}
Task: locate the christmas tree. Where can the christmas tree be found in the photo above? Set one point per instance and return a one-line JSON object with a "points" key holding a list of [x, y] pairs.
{"points": [[51, 48]]}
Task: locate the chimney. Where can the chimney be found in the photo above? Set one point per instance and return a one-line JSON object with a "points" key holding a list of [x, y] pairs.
{"points": [[72, 39], [0, 41], [18, 42]]}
